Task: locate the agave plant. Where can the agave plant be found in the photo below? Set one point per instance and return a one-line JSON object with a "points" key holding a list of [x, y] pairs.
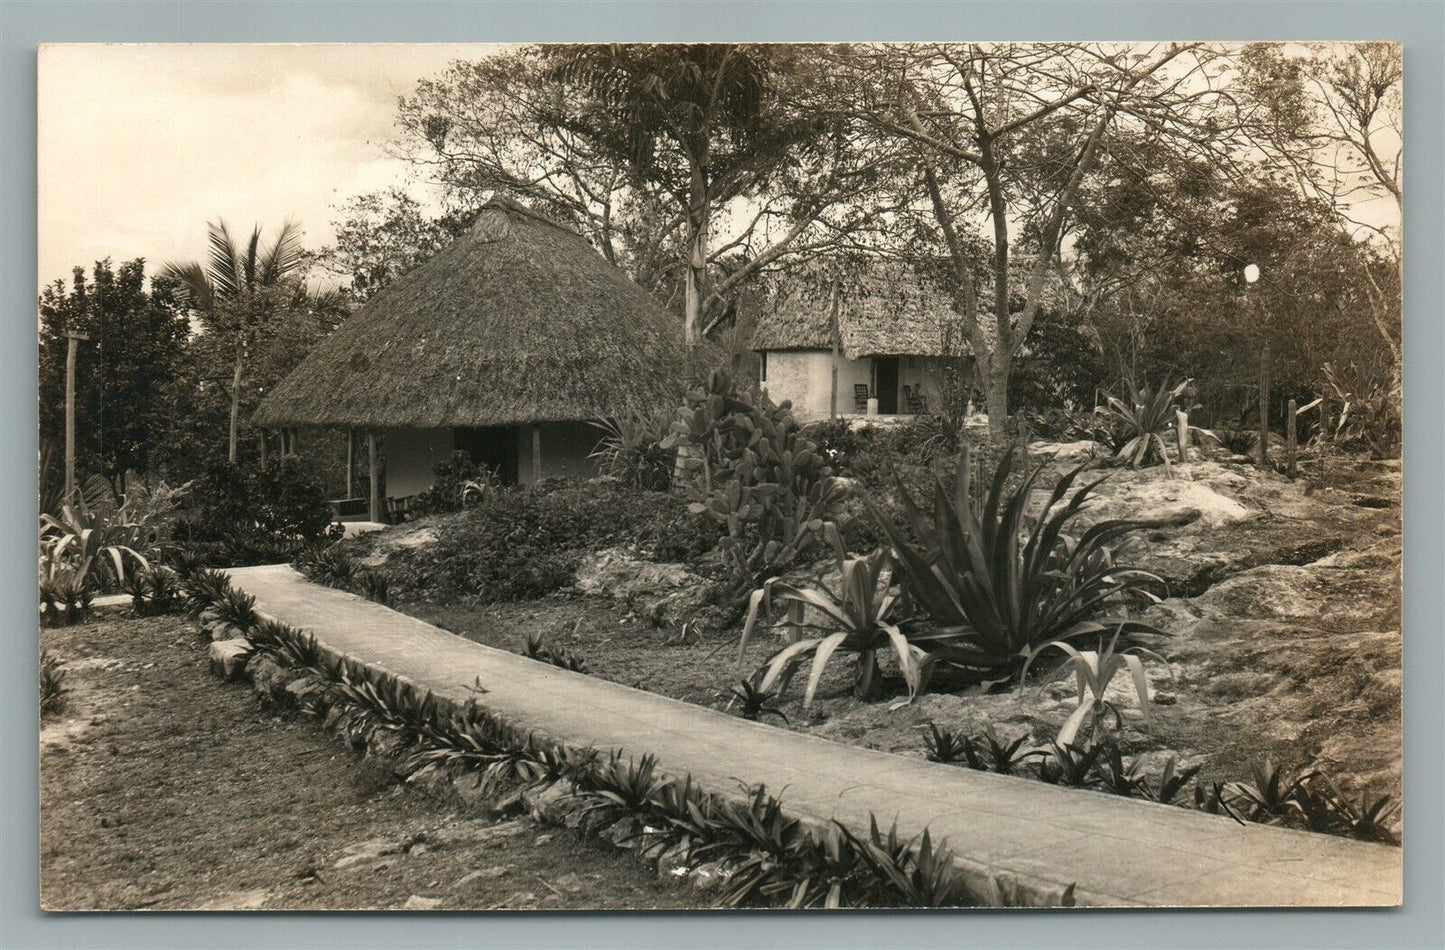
{"points": [[947, 746], [1143, 417], [858, 619], [1275, 792], [620, 790], [999, 586], [95, 543], [1007, 756], [1093, 671]]}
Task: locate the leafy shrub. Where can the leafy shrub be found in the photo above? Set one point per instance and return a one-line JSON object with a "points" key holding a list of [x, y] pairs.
{"points": [[262, 516], [998, 586], [527, 542], [237, 608], [374, 585], [751, 469], [537, 649], [1238, 441], [92, 544], [1369, 410], [457, 483], [838, 442], [632, 451], [204, 589]]}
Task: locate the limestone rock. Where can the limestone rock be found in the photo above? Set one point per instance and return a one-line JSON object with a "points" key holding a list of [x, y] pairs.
{"points": [[228, 657], [417, 902], [667, 594], [268, 677], [304, 687]]}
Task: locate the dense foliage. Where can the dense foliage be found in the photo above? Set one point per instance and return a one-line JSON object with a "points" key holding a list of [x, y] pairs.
{"points": [[257, 515], [519, 543], [750, 468], [131, 375]]}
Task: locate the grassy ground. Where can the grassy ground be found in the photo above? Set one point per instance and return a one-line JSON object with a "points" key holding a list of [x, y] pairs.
{"points": [[1287, 642], [163, 788]]}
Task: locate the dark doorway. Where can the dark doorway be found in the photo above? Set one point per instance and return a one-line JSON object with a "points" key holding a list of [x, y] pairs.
{"points": [[492, 446], [886, 384]]}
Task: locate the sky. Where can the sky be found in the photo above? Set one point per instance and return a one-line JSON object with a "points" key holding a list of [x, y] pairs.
{"points": [[141, 144]]}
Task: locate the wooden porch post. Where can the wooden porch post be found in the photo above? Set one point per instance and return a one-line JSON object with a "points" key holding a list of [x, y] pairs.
{"points": [[833, 395], [350, 463], [373, 507], [536, 452]]}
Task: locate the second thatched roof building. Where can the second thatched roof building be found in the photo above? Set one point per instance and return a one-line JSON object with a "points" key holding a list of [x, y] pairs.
{"points": [[508, 344]]}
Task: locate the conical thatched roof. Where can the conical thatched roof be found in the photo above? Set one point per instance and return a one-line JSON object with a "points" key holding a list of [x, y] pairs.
{"points": [[517, 321]]}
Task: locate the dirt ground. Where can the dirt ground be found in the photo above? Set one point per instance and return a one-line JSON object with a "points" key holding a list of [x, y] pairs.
{"points": [[164, 789], [1285, 626]]}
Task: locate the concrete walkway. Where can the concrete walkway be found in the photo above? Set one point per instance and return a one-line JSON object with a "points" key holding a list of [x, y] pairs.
{"points": [[1116, 851]]}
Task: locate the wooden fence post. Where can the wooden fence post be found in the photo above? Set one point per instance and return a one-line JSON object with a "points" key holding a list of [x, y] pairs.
{"points": [[1291, 445], [1262, 453], [536, 452], [72, 339]]}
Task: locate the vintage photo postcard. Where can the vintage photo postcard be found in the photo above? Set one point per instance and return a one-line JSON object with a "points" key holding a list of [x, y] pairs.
{"points": [[655, 476]]}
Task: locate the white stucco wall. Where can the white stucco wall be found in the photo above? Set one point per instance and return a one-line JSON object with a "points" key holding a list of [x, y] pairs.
{"points": [[805, 377]]}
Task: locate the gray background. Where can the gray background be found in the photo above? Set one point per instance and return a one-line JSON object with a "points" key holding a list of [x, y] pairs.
{"points": [[1420, 25]]}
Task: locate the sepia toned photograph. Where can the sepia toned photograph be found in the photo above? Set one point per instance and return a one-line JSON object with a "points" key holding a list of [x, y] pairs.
{"points": [[644, 477]]}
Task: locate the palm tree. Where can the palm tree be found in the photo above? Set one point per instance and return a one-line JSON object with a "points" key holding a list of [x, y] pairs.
{"points": [[241, 289]]}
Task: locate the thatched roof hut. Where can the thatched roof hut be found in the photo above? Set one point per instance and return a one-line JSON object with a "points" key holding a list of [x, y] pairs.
{"points": [[884, 310], [519, 321]]}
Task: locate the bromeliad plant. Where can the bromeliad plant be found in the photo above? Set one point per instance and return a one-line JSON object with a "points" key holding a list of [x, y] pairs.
{"points": [[858, 619], [998, 585], [1143, 417]]}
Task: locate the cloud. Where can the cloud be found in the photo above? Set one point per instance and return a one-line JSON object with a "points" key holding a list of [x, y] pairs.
{"points": [[141, 144]]}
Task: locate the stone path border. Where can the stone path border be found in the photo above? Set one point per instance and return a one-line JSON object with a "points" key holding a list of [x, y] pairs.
{"points": [[1116, 851]]}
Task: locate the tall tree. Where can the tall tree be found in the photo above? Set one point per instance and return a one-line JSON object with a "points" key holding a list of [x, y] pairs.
{"points": [[128, 391], [245, 295], [694, 168], [1008, 135], [382, 235], [1332, 114]]}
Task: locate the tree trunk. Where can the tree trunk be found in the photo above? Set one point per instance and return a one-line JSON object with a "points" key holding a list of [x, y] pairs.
{"points": [[996, 398], [235, 407], [695, 277]]}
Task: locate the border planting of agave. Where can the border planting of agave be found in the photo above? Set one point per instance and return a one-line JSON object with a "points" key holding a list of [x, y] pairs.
{"points": [[743, 846]]}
